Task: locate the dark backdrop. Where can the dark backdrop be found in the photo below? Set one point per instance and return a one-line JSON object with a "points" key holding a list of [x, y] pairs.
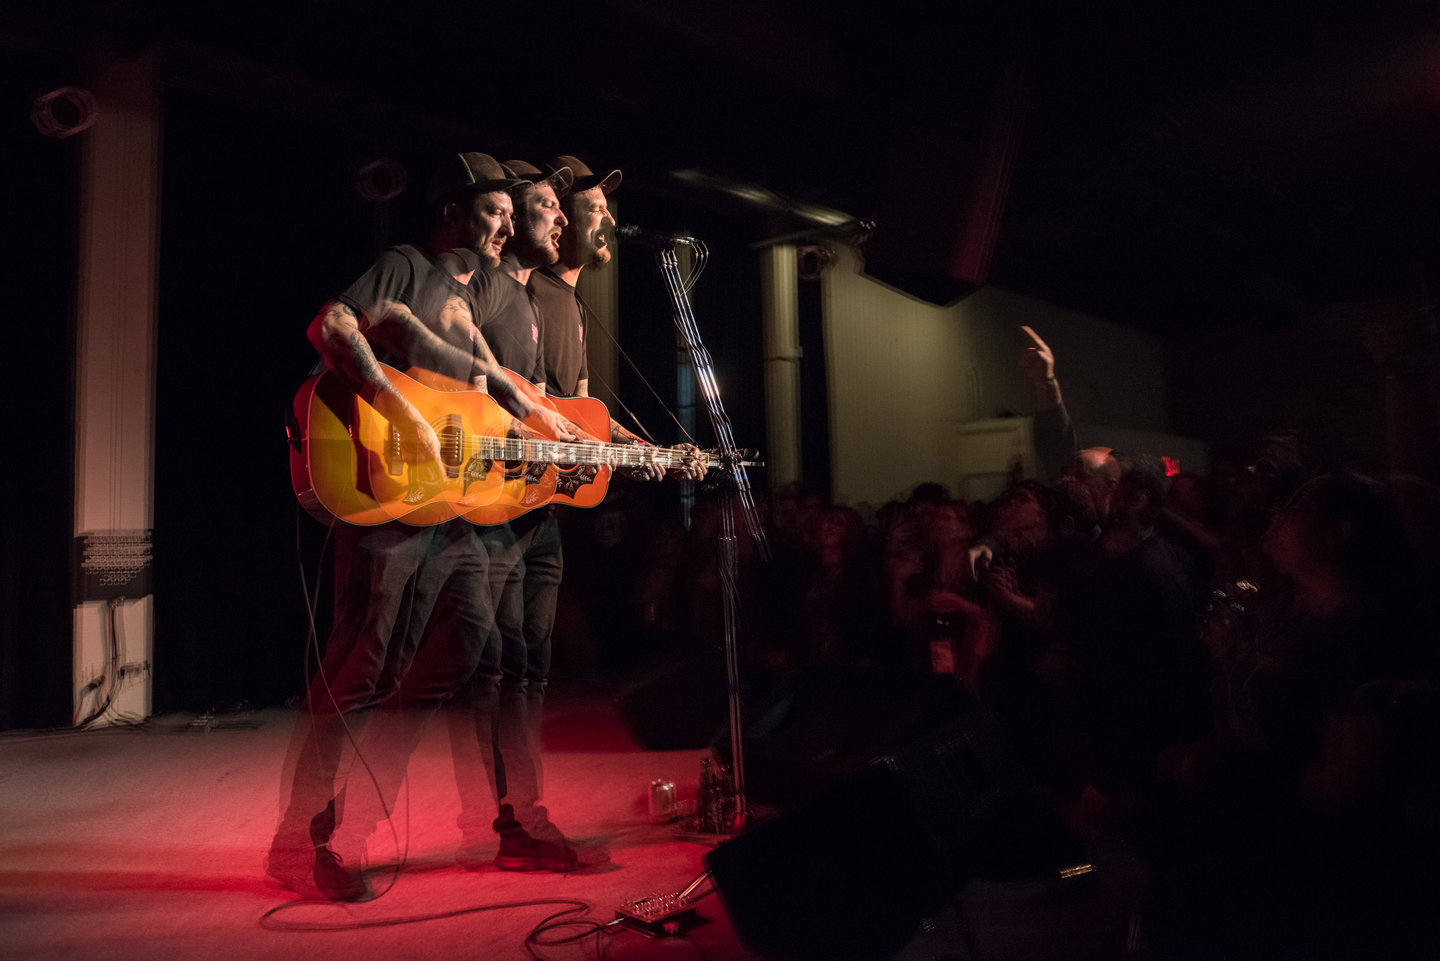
{"points": [[39, 211], [260, 225]]}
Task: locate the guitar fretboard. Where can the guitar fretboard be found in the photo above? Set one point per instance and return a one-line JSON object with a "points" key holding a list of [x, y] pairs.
{"points": [[594, 452]]}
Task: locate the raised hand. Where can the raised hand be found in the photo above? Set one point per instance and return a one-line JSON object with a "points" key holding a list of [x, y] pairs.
{"points": [[1038, 361]]}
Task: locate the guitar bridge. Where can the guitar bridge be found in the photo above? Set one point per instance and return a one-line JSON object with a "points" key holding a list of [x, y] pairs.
{"points": [[394, 457]]}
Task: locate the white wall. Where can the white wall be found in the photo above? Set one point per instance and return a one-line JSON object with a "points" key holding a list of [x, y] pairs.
{"points": [[903, 375]]}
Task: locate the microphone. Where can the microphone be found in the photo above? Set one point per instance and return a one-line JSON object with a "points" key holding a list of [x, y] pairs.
{"points": [[741, 457], [647, 238]]}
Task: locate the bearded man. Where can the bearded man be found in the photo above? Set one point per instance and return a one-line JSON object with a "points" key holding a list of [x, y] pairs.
{"points": [[407, 311]]}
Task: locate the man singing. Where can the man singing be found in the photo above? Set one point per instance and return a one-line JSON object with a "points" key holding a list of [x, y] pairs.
{"points": [[407, 311], [559, 229]]}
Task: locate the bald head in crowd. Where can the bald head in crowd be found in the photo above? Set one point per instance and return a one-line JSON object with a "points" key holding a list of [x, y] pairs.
{"points": [[1099, 472]]}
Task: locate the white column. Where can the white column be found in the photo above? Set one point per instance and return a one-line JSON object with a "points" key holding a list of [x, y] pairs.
{"points": [[780, 294], [115, 360]]}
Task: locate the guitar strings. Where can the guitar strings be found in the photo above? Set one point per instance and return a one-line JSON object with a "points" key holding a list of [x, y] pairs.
{"points": [[489, 443]]}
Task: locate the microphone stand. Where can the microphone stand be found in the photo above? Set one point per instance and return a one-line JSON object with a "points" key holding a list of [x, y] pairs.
{"points": [[729, 561]]}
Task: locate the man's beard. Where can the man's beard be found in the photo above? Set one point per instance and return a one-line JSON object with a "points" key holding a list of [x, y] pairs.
{"points": [[488, 256], [482, 247], [531, 251], [591, 253]]}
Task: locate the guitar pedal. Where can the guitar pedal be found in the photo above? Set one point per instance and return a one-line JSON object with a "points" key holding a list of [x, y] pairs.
{"points": [[658, 915]]}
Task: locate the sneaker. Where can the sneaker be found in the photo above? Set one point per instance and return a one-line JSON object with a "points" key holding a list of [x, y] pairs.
{"points": [[525, 853], [322, 825], [291, 861], [335, 880], [537, 824], [291, 867]]}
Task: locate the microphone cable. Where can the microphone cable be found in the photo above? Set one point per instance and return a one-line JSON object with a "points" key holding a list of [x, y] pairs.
{"points": [[313, 643]]}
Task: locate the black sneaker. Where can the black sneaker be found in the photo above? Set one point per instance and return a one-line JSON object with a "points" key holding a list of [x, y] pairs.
{"points": [[291, 866], [525, 853], [322, 825], [336, 881]]}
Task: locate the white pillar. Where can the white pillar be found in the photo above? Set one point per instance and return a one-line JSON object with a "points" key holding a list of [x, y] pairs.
{"points": [[780, 294], [115, 362]]}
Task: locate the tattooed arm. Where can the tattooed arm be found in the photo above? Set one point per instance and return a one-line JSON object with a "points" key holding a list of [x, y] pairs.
{"points": [[429, 350], [335, 332], [692, 471]]}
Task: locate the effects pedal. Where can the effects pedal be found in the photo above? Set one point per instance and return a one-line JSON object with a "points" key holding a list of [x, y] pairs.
{"points": [[658, 915]]}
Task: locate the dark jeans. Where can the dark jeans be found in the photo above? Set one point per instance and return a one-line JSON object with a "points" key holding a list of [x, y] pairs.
{"points": [[391, 581], [498, 730], [526, 564]]}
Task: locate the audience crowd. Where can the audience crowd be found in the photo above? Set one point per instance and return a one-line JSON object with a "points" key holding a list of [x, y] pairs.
{"points": [[1235, 672]]}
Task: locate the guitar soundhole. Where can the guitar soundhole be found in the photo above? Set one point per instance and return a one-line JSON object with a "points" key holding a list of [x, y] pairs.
{"points": [[452, 445]]}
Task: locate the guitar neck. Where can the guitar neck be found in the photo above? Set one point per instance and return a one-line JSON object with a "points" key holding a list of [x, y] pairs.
{"points": [[597, 453]]}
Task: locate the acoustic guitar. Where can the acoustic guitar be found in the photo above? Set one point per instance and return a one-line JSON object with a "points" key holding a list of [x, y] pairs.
{"points": [[346, 463]]}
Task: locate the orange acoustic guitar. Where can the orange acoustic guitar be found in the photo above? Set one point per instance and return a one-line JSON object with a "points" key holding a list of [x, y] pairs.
{"points": [[345, 460]]}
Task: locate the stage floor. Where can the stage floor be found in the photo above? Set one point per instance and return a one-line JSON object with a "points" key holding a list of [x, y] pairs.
{"points": [[150, 843]]}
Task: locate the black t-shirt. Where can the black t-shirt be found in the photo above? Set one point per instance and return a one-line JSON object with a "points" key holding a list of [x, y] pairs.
{"points": [[562, 333], [407, 274], [509, 323]]}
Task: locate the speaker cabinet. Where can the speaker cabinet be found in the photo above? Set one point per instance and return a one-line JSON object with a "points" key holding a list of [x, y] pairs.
{"points": [[849, 875]]}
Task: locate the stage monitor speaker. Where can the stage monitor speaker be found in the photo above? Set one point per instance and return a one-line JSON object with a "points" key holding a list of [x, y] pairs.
{"points": [[825, 724], [677, 706], [849, 875]]}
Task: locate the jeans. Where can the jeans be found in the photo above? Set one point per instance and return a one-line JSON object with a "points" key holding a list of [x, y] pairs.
{"points": [[391, 581], [499, 727]]}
